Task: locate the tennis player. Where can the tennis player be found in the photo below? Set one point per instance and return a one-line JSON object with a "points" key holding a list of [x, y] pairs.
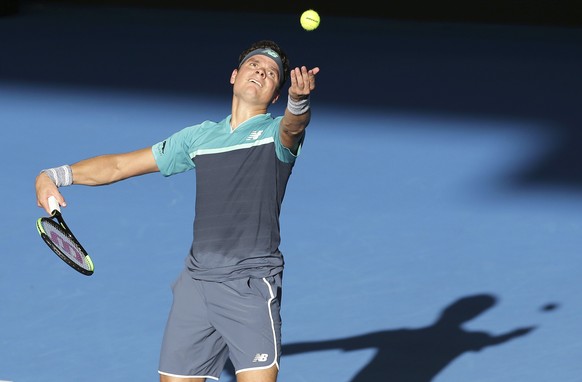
{"points": [[226, 302]]}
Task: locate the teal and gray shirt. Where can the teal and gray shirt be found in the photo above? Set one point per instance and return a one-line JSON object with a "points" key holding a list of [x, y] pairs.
{"points": [[241, 177]]}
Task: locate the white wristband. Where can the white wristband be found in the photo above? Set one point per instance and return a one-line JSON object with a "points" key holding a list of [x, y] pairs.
{"points": [[61, 176], [297, 107]]}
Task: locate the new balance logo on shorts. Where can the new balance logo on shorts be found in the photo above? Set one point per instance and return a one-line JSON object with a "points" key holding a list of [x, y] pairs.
{"points": [[261, 357]]}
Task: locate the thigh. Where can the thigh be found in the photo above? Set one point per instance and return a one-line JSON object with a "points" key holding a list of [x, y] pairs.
{"points": [[166, 378], [191, 346], [264, 375], [247, 314]]}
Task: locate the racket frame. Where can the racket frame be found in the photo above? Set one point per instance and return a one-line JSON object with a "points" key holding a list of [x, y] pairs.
{"points": [[57, 221]]}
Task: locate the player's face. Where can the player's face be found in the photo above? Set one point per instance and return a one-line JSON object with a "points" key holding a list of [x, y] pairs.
{"points": [[259, 74]]}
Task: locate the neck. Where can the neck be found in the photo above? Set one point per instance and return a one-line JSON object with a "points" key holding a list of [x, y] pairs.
{"points": [[242, 112]]}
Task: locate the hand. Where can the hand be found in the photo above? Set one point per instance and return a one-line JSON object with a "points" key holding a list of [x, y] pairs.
{"points": [[45, 187], [302, 82]]}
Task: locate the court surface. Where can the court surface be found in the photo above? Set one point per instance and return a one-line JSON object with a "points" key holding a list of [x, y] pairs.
{"points": [[432, 226]]}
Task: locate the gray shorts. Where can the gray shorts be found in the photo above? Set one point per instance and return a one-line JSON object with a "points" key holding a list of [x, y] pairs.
{"points": [[212, 321]]}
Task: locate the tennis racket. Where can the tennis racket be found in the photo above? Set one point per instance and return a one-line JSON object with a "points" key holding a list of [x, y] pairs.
{"points": [[57, 235]]}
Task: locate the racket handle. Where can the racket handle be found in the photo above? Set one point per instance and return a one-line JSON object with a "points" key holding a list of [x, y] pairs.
{"points": [[53, 205]]}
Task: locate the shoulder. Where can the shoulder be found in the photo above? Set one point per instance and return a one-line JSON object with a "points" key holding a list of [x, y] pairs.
{"points": [[192, 132], [266, 122]]}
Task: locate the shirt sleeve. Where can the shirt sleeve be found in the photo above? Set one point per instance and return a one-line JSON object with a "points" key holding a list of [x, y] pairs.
{"points": [[284, 154], [172, 155]]}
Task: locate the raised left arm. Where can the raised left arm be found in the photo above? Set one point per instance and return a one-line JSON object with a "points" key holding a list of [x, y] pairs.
{"points": [[298, 111]]}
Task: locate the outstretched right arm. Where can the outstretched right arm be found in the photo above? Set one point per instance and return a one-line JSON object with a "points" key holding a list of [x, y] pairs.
{"points": [[97, 171]]}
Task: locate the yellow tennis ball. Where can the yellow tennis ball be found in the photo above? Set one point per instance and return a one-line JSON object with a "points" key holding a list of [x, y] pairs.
{"points": [[309, 20]]}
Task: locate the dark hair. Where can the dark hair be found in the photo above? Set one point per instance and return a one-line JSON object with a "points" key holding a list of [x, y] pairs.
{"points": [[271, 45]]}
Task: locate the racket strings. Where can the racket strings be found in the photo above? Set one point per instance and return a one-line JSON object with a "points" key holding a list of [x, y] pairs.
{"points": [[65, 244]]}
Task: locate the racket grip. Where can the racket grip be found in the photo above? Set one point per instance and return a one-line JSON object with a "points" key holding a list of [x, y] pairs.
{"points": [[53, 204]]}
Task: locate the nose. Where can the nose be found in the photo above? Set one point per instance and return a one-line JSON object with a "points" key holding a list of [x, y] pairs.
{"points": [[260, 72]]}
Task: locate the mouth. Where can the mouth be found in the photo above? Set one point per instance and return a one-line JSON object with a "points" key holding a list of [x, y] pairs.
{"points": [[256, 82]]}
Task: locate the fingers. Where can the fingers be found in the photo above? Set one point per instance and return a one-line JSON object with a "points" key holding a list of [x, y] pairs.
{"points": [[44, 189], [303, 80], [44, 203], [302, 77]]}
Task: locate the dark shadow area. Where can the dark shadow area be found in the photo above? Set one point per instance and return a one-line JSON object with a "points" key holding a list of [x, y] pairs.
{"points": [[416, 355], [370, 65], [515, 12], [9, 7]]}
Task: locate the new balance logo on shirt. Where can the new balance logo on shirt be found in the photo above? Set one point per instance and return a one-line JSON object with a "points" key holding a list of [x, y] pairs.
{"points": [[261, 357], [254, 135]]}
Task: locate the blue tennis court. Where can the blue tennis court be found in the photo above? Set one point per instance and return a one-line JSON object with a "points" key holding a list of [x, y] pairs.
{"points": [[432, 226]]}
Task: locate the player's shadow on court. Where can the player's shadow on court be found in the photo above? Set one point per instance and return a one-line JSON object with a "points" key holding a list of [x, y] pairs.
{"points": [[417, 355]]}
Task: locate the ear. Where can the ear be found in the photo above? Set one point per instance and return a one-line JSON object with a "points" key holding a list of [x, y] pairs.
{"points": [[233, 76]]}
